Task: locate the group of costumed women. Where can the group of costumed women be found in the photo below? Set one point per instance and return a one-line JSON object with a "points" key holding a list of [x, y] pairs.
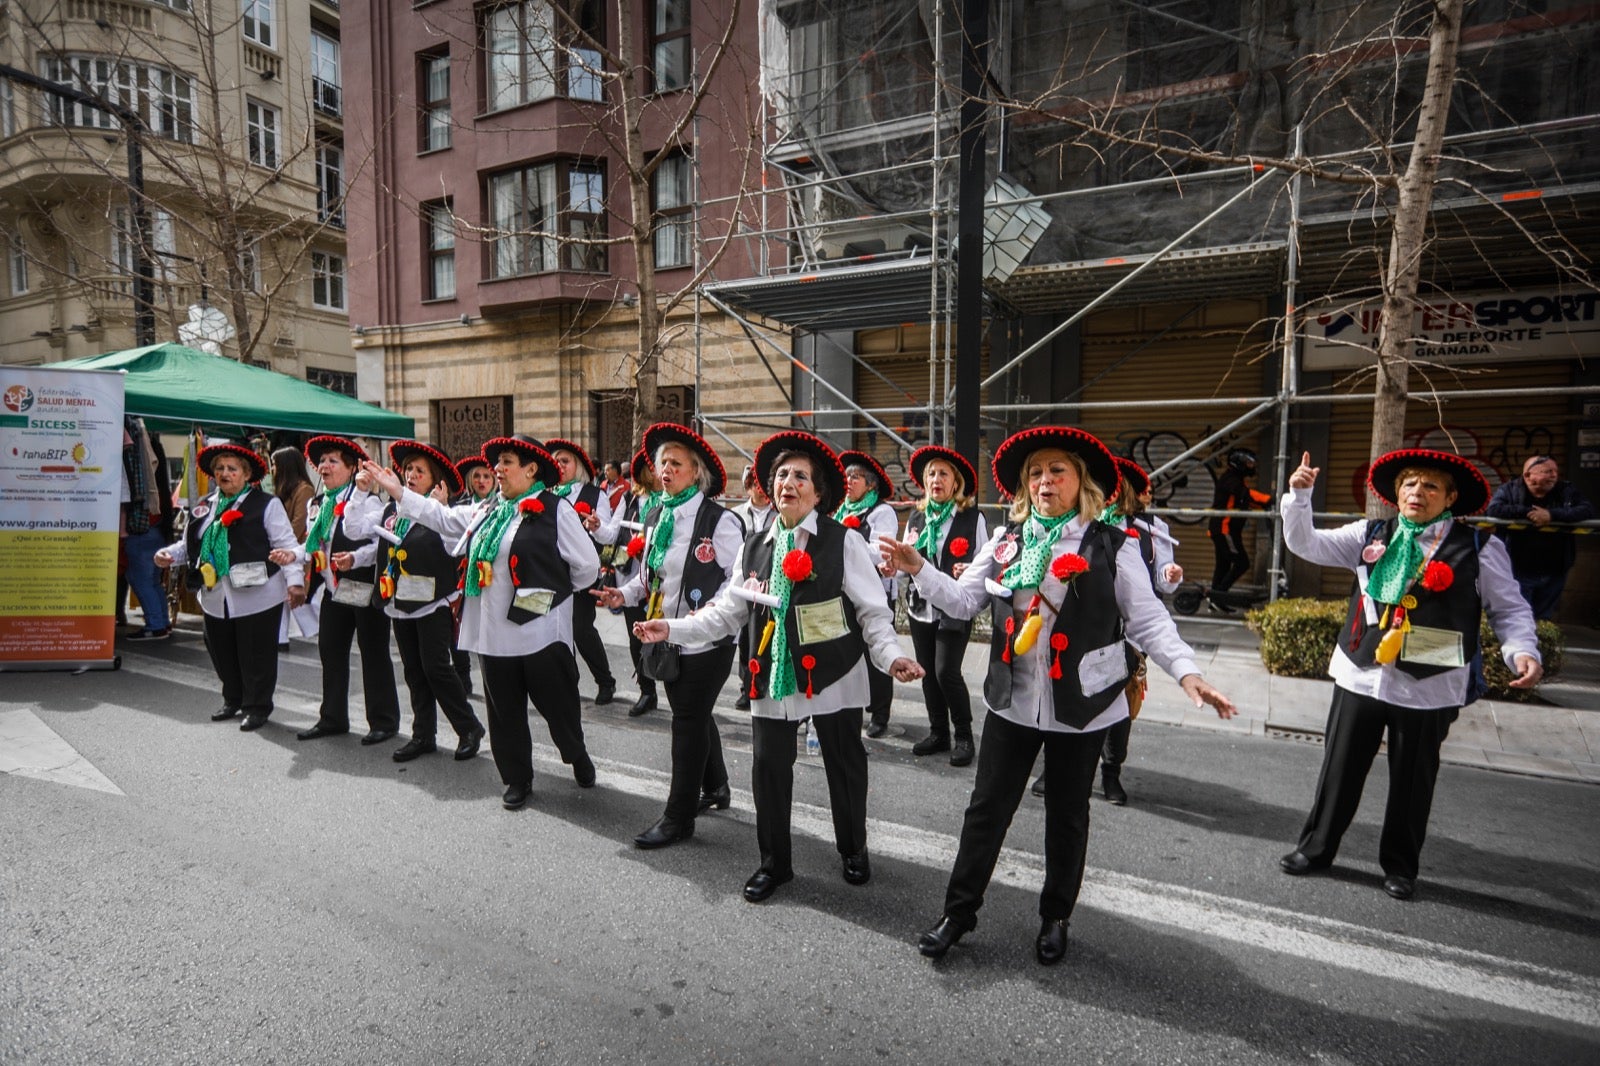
{"points": [[797, 583]]}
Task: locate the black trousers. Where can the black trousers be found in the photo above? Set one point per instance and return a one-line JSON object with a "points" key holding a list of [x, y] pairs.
{"points": [[244, 653], [587, 639], [549, 677], [940, 651], [630, 615], [1232, 560], [697, 763], [1005, 762], [368, 627], [844, 762], [426, 656], [1115, 750], [1356, 724], [462, 661]]}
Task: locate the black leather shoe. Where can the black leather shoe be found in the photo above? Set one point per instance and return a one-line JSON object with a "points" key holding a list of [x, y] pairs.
{"points": [[1037, 788], [931, 744], [1296, 863], [605, 695], [322, 729], [857, 868], [1400, 887], [877, 728], [1111, 786], [962, 752], [719, 799], [664, 832], [515, 797], [252, 722], [1051, 946], [377, 736], [468, 748], [941, 938], [742, 702], [222, 714], [583, 772], [763, 884], [643, 705], [413, 748]]}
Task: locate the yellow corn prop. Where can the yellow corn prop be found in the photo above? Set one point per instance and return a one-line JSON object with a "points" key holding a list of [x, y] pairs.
{"points": [[1029, 634], [208, 574], [766, 636], [1389, 647], [485, 574]]}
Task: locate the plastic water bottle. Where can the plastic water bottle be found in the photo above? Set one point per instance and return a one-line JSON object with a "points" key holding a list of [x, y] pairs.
{"points": [[813, 745]]}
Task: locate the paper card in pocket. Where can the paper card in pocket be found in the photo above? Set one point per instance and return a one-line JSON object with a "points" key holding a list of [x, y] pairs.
{"points": [[820, 622], [247, 575], [1102, 668], [414, 588], [353, 593], [1427, 646], [536, 601]]}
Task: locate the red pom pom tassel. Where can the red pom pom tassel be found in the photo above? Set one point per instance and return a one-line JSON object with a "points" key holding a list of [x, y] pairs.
{"points": [[755, 668], [1058, 641], [1011, 629], [809, 662]]}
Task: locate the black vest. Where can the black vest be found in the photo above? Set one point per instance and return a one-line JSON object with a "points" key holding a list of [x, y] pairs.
{"points": [[535, 559], [963, 526], [247, 538], [425, 556], [705, 577], [1089, 619], [834, 658], [1145, 541], [1458, 607]]}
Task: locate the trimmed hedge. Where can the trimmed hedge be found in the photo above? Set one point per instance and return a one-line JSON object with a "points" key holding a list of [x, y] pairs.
{"points": [[1298, 637]]}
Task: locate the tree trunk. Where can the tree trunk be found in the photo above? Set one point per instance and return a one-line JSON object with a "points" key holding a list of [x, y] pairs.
{"points": [[647, 360], [1408, 240]]}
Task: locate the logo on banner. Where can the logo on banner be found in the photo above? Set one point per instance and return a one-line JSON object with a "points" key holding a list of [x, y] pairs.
{"points": [[18, 398]]}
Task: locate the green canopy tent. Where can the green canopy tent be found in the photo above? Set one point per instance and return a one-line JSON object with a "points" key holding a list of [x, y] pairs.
{"points": [[176, 388]]}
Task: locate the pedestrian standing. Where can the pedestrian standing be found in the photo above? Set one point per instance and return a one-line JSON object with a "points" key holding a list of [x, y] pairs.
{"points": [[148, 528], [577, 487], [1540, 559]]}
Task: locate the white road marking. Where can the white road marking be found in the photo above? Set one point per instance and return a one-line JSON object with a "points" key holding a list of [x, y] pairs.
{"points": [[29, 748]]}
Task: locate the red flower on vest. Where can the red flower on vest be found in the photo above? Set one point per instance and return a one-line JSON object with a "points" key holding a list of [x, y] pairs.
{"points": [[229, 517], [853, 522], [635, 547], [797, 565], [959, 548], [583, 509], [1068, 566], [531, 505], [1437, 576], [1134, 533], [338, 509]]}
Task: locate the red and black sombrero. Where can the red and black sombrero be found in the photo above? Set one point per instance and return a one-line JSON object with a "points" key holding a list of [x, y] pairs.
{"points": [[963, 466], [851, 458], [444, 470], [641, 462], [465, 466], [258, 465], [559, 444], [1472, 490], [317, 447], [1133, 473], [672, 433], [829, 473], [1015, 449], [530, 451]]}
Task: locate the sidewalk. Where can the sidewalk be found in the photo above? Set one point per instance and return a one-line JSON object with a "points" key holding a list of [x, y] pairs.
{"points": [[1559, 738]]}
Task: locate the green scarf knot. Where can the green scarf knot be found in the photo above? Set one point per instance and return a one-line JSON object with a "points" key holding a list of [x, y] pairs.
{"points": [[1401, 563], [327, 515], [783, 681], [214, 542], [1038, 541], [663, 531], [849, 508], [935, 515], [486, 540]]}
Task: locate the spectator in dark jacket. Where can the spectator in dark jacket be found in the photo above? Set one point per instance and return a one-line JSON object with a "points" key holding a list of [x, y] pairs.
{"points": [[1540, 560]]}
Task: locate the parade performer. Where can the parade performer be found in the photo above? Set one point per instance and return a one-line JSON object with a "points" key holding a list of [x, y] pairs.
{"points": [[643, 497], [1064, 591], [866, 510], [477, 477], [1408, 652], [578, 488], [757, 513], [813, 601]]}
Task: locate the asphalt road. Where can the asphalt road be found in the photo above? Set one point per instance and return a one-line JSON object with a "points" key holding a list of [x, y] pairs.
{"points": [[247, 898]]}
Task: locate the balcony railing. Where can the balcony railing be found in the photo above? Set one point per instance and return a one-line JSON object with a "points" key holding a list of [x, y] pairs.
{"points": [[326, 97]]}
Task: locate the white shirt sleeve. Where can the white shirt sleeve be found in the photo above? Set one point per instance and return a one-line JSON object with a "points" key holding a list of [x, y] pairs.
{"points": [[451, 523], [722, 617], [864, 585], [1325, 547], [965, 596], [577, 550], [1164, 556], [1145, 621], [280, 534], [606, 533]]}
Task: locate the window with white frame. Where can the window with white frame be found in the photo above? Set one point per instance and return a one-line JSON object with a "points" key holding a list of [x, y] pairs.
{"points": [[18, 261], [439, 233], [326, 83], [671, 62], [327, 281], [434, 74], [672, 189], [330, 183], [531, 54], [258, 16], [261, 132], [162, 98], [250, 265], [535, 210]]}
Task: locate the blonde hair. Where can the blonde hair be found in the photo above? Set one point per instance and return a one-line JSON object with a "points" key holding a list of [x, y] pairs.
{"points": [[963, 501], [1091, 497], [702, 476]]}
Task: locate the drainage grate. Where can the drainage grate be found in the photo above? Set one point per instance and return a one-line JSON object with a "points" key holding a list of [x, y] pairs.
{"points": [[1304, 736]]}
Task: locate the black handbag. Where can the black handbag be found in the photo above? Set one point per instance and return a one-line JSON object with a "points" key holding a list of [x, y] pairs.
{"points": [[659, 662]]}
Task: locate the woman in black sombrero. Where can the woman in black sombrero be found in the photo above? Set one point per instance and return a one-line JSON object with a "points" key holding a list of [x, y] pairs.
{"points": [[947, 529], [865, 510], [1064, 590], [641, 500], [577, 487], [417, 582], [690, 543], [526, 556], [813, 602], [227, 549], [477, 481], [1408, 650], [344, 568]]}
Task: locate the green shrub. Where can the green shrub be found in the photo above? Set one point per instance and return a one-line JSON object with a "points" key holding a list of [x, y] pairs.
{"points": [[1298, 637]]}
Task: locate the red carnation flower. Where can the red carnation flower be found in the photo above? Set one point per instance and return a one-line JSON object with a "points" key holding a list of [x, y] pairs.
{"points": [[1068, 566], [1134, 533], [531, 505], [959, 547], [797, 565], [228, 518], [853, 522], [582, 508], [338, 509], [635, 547], [1437, 576]]}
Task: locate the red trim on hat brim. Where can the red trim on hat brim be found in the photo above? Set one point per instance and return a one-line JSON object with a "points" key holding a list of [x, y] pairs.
{"points": [[332, 442], [929, 452], [555, 444], [528, 449], [401, 450], [1457, 465], [258, 465], [872, 463], [808, 443], [1137, 474], [665, 432], [1064, 437]]}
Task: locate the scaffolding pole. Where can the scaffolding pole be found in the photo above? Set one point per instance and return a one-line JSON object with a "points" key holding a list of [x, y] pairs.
{"points": [[1288, 372]]}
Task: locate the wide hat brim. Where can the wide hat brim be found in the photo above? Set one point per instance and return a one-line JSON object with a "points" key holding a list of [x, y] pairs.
{"points": [[1472, 490], [928, 452], [465, 466], [830, 474], [317, 447], [854, 458], [555, 444], [1135, 473], [672, 433], [258, 466], [1015, 449], [444, 470], [641, 461], [528, 449]]}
